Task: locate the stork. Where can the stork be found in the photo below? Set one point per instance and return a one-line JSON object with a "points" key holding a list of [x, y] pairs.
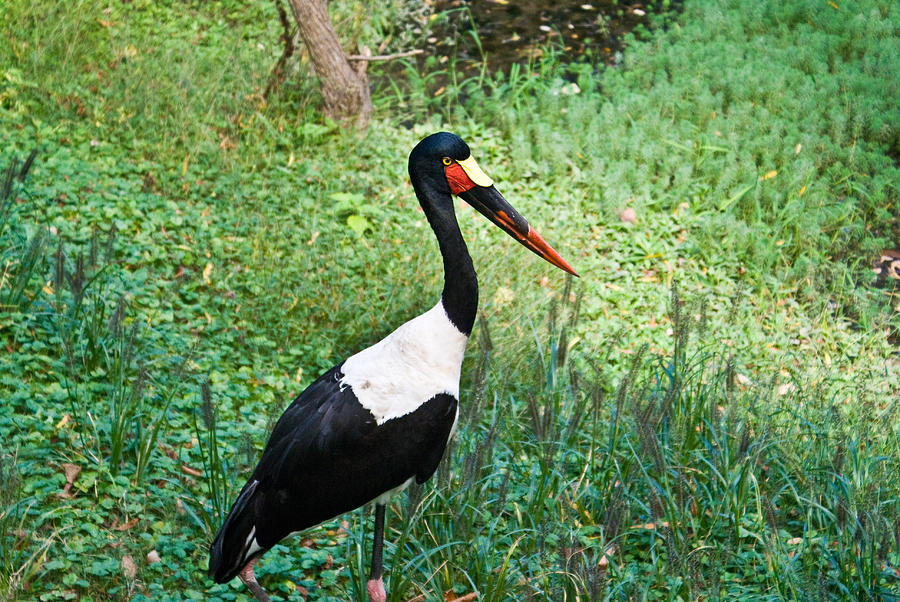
{"points": [[381, 419]]}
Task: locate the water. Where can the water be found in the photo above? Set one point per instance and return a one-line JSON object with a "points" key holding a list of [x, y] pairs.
{"points": [[511, 31]]}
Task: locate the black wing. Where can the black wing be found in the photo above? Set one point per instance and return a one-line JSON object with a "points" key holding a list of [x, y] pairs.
{"points": [[326, 456]]}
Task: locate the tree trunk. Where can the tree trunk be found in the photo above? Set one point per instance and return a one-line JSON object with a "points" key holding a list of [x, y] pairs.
{"points": [[345, 90]]}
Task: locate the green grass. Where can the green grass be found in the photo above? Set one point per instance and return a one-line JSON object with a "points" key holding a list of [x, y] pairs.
{"points": [[693, 485], [709, 412]]}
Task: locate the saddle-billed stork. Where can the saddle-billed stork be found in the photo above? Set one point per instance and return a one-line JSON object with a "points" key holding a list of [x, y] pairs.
{"points": [[382, 418]]}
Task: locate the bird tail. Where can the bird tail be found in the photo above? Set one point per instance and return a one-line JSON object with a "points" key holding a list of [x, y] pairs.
{"points": [[235, 545]]}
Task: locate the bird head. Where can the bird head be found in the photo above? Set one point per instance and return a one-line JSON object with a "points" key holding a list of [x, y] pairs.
{"points": [[443, 162]]}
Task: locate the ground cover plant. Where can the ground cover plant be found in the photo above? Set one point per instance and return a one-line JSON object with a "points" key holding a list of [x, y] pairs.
{"points": [[711, 411]]}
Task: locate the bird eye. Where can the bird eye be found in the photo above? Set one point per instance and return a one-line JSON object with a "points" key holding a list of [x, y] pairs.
{"points": [[447, 160]]}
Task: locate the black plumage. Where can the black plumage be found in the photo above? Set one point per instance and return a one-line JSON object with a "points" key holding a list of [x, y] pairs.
{"points": [[305, 475]]}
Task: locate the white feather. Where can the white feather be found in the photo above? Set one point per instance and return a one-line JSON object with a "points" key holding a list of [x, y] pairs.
{"points": [[254, 546], [455, 422], [253, 549], [419, 360], [385, 497]]}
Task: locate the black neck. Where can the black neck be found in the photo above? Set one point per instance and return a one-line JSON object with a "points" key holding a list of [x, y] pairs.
{"points": [[460, 294]]}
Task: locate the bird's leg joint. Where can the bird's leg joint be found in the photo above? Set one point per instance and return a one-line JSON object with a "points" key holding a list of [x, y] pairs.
{"points": [[249, 579]]}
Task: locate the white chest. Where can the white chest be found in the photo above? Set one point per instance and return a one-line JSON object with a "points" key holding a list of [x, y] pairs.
{"points": [[419, 360]]}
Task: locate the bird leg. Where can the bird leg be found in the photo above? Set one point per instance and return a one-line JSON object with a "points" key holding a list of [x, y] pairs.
{"points": [[375, 586], [246, 576]]}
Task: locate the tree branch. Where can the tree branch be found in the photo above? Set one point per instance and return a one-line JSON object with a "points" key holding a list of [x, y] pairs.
{"points": [[384, 57], [277, 76]]}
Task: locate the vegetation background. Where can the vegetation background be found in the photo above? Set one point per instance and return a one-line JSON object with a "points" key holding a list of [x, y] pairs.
{"points": [[710, 412]]}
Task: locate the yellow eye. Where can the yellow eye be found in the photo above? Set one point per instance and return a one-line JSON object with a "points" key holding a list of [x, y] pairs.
{"points": [[447, 160]]}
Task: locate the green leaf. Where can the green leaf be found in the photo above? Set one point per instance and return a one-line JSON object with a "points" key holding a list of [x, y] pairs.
{"points": [[352, 198], [358, 224], [731, 201]]}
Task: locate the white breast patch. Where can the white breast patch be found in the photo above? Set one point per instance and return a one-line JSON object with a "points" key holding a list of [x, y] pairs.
{"points": [[419, 360]]}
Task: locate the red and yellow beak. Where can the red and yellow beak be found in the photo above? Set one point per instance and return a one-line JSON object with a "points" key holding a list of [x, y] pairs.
{"points": [[471, 184]]}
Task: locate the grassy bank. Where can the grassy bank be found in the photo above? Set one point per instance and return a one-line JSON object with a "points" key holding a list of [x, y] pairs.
{"points": [[710, 411]]}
